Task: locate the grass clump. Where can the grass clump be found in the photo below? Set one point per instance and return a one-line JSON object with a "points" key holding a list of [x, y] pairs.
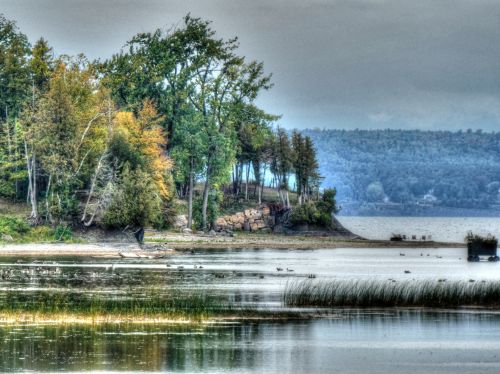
{"points": [[391, 293]]}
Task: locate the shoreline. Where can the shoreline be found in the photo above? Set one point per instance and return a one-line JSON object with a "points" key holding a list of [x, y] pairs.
{"points": [[159, 244]]}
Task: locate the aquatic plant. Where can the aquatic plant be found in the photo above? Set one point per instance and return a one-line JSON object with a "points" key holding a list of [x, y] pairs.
{"points": [[392, 293], [194, 304]]}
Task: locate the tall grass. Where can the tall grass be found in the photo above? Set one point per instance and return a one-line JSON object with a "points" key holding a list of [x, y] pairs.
{"points": [[381, 293], [187, 305]]}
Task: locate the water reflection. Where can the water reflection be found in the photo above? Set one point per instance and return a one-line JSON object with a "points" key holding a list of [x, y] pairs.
{"points": [[357, 341]]}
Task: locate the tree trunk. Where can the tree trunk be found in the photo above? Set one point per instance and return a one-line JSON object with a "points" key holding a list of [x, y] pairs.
{"points": [[246, 184], [261, 187], [190, 197], [205, 199], [30, 165], [49, 216], [92, 187]]}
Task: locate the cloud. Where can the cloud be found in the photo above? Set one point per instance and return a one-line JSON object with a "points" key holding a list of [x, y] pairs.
{"points": [[338, 63]]}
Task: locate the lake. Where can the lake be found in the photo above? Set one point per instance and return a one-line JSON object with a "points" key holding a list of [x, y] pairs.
{"points": [[355, 342], [350, 341], [443, 229]]}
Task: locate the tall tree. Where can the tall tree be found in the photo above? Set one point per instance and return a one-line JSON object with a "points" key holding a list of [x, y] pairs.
{"points": [[282, 164], [14, 69]]}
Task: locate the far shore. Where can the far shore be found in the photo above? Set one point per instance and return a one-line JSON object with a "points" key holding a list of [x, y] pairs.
{"points": [[161, 243]]}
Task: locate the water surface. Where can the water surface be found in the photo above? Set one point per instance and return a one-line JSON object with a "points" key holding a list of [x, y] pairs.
{"points": [[355, 342]]}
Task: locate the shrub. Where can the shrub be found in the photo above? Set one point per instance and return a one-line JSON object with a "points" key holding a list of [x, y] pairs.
{"points": [[136, 202], [63, 233], [471, 238], [316, 213], [13, 226]]}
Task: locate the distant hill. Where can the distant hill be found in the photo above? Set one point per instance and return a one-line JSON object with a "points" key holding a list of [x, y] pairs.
{"points": [[410, 171]]}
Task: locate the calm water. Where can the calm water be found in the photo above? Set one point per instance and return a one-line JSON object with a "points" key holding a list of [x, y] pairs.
{"points": [[356, 342], [445, 229], [390, 341]]}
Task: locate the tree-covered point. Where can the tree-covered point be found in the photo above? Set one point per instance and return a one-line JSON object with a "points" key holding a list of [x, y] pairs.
{"points": [[115, 142]]}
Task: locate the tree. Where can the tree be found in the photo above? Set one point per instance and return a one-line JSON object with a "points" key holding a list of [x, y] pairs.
{"points": [[65, 132], [189, 151], [14, 69], [282, 164], [143, 186], [41, 64]]}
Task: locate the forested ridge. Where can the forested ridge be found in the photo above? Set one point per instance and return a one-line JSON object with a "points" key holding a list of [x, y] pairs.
{"points": [[168, 124], [440, 168]]}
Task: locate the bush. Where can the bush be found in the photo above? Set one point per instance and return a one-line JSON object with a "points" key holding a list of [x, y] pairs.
{"points": [[316, 213], [63, 233], [474, 238], [13, 226], [136, 202]]}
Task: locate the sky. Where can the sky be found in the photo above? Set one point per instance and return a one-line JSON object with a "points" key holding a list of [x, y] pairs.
{"points": [[368, 64]]}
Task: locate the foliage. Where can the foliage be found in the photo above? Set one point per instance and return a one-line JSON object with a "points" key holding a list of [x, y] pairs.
{"points": [[316, 213], [14, 70], [21, 232], [137, 201], [13, 226], [475, 238], [213, 210], [86, 142], [63, 233]]}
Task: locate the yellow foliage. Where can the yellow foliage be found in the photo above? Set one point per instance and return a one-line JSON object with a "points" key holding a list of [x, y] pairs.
{"points": [[147, 138]]}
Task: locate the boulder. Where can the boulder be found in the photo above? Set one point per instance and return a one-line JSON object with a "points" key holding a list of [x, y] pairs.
{"points": [[180, 221], [221, 222]]}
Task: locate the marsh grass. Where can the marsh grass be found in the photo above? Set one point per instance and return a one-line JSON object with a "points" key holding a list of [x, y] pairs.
{"points": [[390, 293], [186, 305]]}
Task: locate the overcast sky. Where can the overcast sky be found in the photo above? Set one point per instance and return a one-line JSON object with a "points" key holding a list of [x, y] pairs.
{"points": [[426, 64]]}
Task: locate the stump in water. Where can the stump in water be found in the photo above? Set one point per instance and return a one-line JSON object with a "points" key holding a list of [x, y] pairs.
{"points": [[139, 235]]}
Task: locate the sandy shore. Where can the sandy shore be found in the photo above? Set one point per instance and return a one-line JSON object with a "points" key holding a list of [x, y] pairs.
{"points": [[160, 243]]}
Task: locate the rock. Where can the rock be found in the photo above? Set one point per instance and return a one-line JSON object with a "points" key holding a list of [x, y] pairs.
{"points": [[238, 226], [212, 233], [221, 222], [254, 227], [266, 211], [185, 230], [180, 221], [260, 224], [7, 237]]}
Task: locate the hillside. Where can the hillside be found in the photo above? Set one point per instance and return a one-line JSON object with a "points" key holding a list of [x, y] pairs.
{"points": [[410, 171]]}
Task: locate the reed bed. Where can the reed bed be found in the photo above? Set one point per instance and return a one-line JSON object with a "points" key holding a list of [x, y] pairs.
{"points": [[188, 305], [391, 293]]}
